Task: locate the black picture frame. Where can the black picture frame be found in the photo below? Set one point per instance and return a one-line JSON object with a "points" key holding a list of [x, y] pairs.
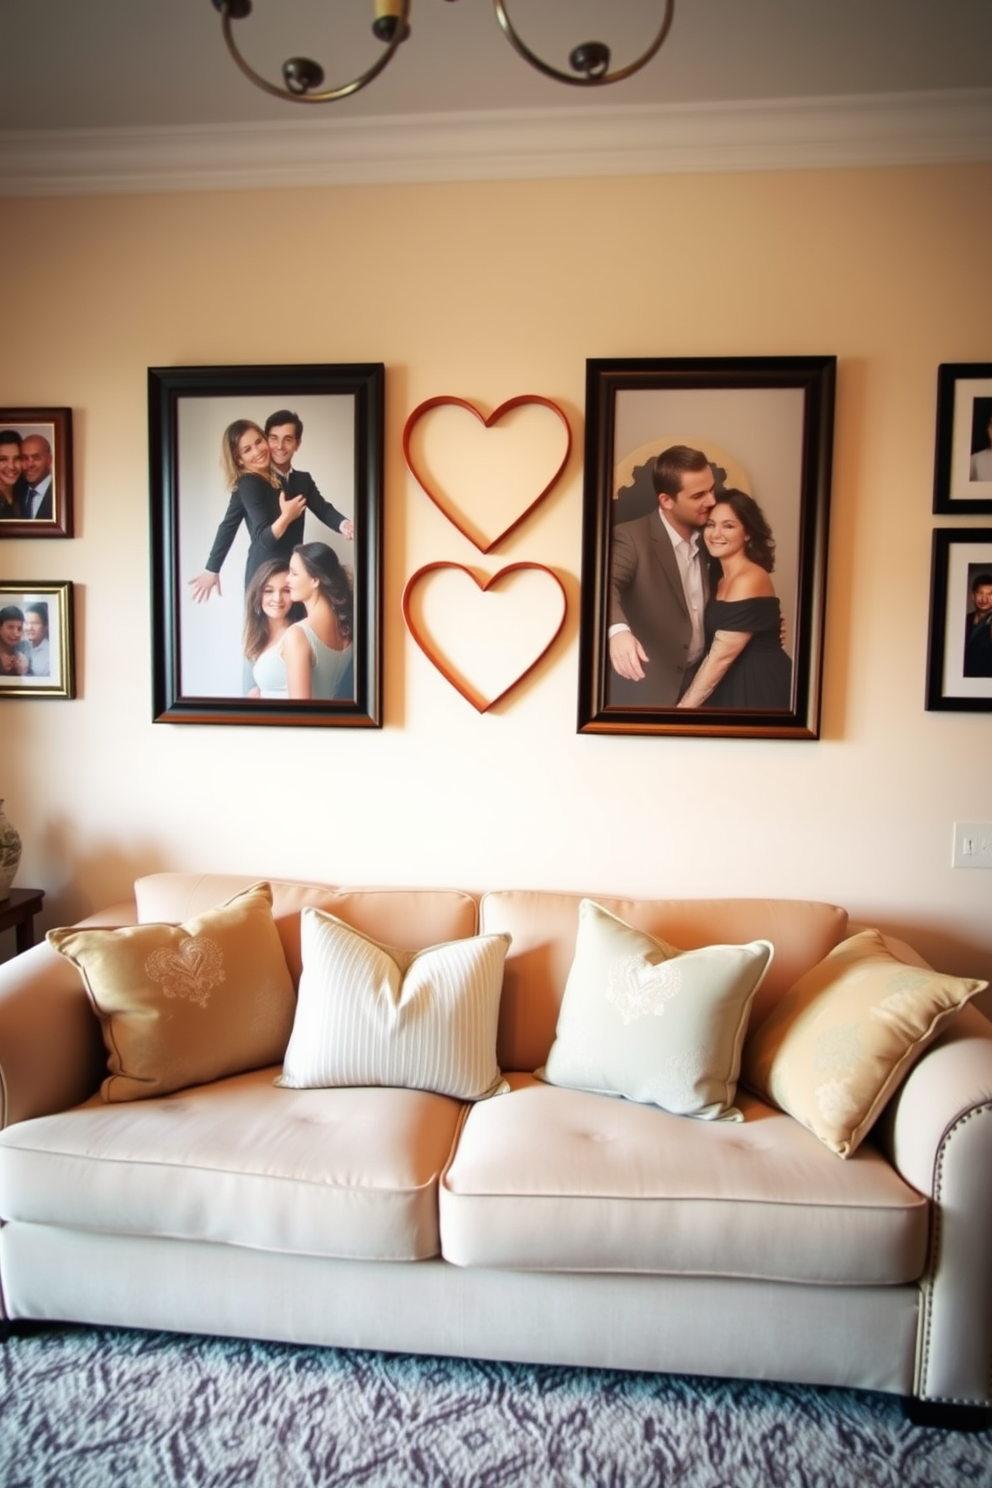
{"points": [[48, 639], [959, 657], [199, 673], [962, 479], [765, 424], [50, 430]]}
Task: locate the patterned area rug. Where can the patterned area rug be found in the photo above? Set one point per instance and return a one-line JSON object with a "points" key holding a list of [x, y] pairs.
{"points": [[88, 1408]]}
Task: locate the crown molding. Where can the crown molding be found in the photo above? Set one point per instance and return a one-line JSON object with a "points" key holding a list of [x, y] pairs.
{"points": [[782, 134]]}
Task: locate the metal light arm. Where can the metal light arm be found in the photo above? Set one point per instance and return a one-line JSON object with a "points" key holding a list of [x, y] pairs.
{"points": [[590, 61], [303, 78]]}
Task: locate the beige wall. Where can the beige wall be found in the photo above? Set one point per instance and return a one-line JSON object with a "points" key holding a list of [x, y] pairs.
{"points": [[486, 291]]}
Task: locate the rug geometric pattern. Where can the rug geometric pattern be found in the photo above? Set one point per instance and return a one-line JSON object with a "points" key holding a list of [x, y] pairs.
{"points": [[91, 1408]]}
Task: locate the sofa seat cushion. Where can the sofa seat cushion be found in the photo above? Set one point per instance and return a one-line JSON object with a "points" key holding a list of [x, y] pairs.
{"points": [[350, 1173], [547, 1179]]}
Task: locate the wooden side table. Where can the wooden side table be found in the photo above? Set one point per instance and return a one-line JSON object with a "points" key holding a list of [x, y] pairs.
{"points": [[18, 910]]}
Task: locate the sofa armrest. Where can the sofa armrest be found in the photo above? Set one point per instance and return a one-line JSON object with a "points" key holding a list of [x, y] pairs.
{"points": [[111, 918], [51, 1048], [938, 1133]]}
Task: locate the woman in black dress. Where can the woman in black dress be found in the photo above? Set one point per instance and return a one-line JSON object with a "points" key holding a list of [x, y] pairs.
{"points": [[745, 666]]}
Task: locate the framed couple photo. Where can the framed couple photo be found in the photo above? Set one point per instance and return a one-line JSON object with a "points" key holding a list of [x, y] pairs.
{"points": [[35, 472], [705, 523], [266, 511], [36, 640]]}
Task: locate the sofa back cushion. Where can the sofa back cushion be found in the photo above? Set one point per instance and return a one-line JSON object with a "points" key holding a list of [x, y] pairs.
{"points": [[411, 919], [543, 927]]}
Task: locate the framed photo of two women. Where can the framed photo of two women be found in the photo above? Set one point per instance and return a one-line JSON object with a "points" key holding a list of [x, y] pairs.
{"points": [[706, 506], [266, 502]]}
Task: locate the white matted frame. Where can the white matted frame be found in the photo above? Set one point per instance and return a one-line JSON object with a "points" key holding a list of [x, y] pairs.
{"points": [[962, 481], [959, 663], [42, 637]]}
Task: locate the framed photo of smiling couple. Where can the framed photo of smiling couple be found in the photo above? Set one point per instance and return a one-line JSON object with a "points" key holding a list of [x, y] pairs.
{"points": [[266, 502], [705, 523], [35, 472]]}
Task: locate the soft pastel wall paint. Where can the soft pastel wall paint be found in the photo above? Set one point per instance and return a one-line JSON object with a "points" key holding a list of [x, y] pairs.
{"points": [[486, 291]]}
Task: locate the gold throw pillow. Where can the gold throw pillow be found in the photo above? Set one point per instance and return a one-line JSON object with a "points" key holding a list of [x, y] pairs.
{"points": [[841, 1040], [185, 1004]]}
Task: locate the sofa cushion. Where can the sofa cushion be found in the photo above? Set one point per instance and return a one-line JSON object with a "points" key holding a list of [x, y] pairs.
{"points": [[341, 1173], [642, 1019], [561, 1180], [843, 1038], [184, 1004], [369, 1014], [542, 926]]}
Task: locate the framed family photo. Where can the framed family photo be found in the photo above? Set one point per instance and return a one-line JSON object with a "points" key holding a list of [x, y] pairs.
{"points": [[35, 472], [705, 521], [962, 480], [36, 640], [959, 661], [266, 514]]}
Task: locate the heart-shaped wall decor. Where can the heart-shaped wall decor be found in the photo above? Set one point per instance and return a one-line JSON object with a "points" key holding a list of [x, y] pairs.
{"points": [[454, 516], [436, 656]]}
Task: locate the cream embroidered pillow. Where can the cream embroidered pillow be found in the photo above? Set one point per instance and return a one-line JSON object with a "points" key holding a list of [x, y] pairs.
{"points": [[655, 1024], [185, 1004], [841, 1040], [369, 1014]]}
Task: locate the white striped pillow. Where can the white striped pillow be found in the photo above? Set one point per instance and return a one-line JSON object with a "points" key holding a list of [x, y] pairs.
{"points": [[369, 1014]]}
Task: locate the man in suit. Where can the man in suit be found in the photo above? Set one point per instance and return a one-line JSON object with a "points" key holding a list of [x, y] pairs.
{"points": [[659, 588], [36, 457], [284, 431]]}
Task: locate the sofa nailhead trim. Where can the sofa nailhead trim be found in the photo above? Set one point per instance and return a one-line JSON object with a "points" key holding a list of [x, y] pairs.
{"points": [[983, 1110]]}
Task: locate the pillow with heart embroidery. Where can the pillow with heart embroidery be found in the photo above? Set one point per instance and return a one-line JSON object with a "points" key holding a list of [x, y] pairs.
{"points": [[182, 1005], [644, 1020]]}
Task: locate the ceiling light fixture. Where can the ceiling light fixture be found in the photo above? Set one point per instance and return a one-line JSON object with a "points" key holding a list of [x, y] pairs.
{"points": [[303, 78]]}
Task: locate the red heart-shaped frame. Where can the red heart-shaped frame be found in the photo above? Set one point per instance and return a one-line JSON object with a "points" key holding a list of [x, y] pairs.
{"points": [[437, 659], [521, 401]]}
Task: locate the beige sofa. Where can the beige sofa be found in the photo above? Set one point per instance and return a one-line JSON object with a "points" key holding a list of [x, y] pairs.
{"points": [[546, 1225]]}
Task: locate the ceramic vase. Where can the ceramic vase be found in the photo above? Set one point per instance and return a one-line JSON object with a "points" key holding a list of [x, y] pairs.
{"points": [[10, 853]]}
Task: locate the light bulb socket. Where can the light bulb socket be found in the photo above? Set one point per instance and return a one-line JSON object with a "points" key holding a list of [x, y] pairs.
{"points": [[236, 9], [302, 75], [384, 27], [592, 58], [388, 17]]}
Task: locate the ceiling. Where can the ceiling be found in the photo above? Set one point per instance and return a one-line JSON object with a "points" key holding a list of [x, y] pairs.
{"points": [[137, 67]]}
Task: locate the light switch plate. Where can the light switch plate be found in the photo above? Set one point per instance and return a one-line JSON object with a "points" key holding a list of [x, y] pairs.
{"points": [[972, 845]]}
